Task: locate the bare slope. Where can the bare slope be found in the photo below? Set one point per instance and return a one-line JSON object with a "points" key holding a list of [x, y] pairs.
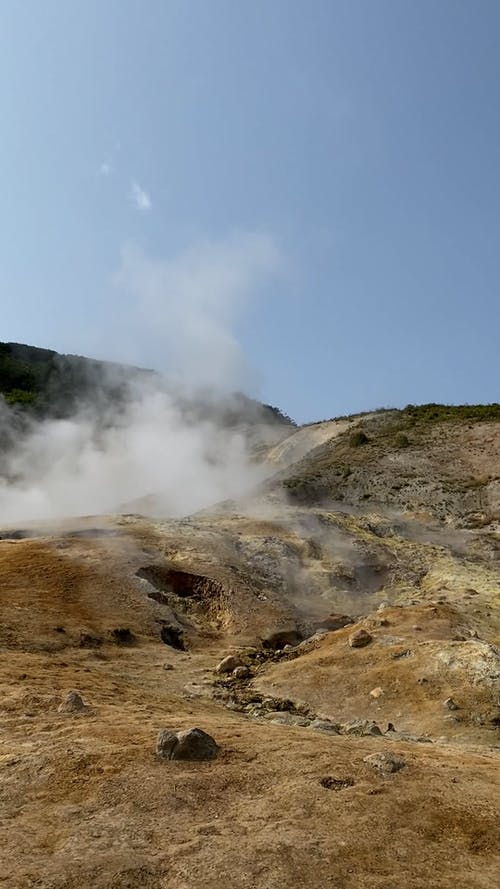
{"points": [[105, 606], [447, 465]]}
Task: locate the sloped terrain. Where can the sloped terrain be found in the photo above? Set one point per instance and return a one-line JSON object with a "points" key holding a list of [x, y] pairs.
{"points": [[441, 461], [135, 614]]}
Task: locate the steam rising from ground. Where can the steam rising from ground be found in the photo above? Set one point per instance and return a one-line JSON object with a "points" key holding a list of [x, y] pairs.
{"points": [[76, 467], [179, 315]]}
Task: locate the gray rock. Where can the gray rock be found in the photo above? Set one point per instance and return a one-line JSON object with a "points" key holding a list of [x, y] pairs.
{"points": [[278, 717], [450, 704], [387, 763], [360, 638], [241, 672], [228, 664], [360, 727], [322, 725], [406, 736], [192, 744], [73, 703]]}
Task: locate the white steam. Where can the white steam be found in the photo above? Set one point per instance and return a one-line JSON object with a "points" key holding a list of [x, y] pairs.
{"points": [[73, 467], [180, 314], [151, 455]]}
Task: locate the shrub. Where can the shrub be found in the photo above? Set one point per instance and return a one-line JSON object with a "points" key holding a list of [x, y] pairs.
{"points": [[358, 438], [401, 440]]}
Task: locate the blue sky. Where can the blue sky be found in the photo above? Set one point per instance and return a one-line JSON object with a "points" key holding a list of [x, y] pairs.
{"points": [[340, 159]]}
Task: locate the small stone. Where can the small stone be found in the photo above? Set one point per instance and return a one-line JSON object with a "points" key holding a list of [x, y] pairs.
{"points": [[193, 744], [376, 692], [241, 672], [450, 704], [359, 639], [385, 762], [336, 783], [168, 666], [73, 703], [228, 664], [383, 605]]}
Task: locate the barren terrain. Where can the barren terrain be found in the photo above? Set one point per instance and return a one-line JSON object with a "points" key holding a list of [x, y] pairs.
{"points": [[135, 613]]}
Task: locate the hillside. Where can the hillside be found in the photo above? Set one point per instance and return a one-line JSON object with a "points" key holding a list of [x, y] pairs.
{"points": [[49, 384], [381, 529]]}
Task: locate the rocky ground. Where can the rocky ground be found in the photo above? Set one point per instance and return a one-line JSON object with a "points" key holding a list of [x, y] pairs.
{"points": [[357, 722]]}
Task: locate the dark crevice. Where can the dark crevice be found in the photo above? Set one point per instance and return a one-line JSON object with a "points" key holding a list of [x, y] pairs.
{"points": [[172, 636]]}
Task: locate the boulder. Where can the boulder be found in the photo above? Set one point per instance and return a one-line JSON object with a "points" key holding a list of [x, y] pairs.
{"points": [[359, 639], [73, 703], [192, 744], [322, 725], [228, 664], [241, 672], [385, 762], [360, 727]]}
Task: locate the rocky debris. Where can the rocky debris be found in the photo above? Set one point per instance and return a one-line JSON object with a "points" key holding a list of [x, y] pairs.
{"points": [[311, 641], [360, 638], [336, 783], [477, 660], [123, 636], [377, 692], [280, 717], [229, 664], [73, 703], [193, 744], [333, 622], [407, 652], [279, 638], [387, 763], [407, 736], [450, 704], [324, 725], [241, 672], [360, 727]]}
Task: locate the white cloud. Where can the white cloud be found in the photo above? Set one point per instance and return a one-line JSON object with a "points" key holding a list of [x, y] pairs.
{"points": [[139, 197], [105, 169]]}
